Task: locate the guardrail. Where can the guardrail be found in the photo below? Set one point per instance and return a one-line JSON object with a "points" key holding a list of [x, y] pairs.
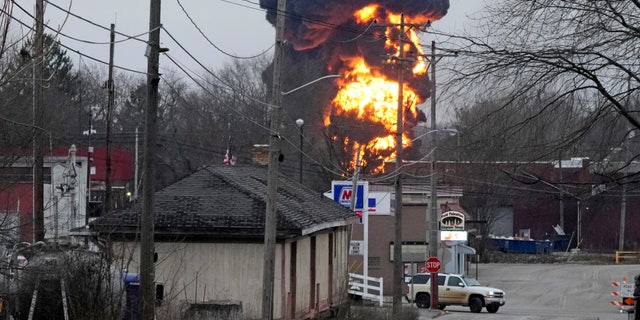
{"points": [[631, 255], [360, 287]]}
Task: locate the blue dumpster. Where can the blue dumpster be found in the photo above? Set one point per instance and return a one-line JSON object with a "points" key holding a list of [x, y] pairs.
{"points": [[132, 292]]}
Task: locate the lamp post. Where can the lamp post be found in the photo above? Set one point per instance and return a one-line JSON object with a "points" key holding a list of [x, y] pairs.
{"points": [[433, 206], [432, 219], [300, 123]]}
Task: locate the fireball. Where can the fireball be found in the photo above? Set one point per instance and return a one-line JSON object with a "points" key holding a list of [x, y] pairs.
{"points": [[369, 95]]}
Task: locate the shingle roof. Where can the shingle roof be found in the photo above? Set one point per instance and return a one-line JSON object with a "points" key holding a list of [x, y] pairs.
{"points": [[230, 202]]}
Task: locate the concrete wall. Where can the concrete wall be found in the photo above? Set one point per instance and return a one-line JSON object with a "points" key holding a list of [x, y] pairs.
{"points": [[233, 271]]}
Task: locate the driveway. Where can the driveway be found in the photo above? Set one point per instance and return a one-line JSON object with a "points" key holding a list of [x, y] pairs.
{"points": [[548, 291]]}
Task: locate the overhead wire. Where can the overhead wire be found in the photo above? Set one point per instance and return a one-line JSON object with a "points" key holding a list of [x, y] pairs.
{"points": [[177, 64], [127, 37], [213, 44], [58, 31], [135, 71], [206, 90], [75, 50], [229, 87], [265, 128]]}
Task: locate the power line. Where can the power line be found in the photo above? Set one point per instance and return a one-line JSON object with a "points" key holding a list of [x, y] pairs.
{"points": [[74, 50], [313, 159], [58, 31], [128, 37], [213, 44]]}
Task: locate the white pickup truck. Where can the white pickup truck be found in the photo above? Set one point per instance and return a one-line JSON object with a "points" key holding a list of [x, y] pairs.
{"points": [[454, 290]]}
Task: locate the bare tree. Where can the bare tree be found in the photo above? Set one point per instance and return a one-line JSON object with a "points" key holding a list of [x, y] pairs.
{"points": [[580, 51]]}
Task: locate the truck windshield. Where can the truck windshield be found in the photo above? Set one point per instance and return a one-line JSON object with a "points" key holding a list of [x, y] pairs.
{"points": [[471, 281]]}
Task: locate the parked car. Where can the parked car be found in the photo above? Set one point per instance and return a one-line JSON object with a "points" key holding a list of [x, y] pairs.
{"points": [[455, 290]]}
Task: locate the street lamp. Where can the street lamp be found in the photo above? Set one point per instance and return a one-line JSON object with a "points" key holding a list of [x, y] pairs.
{"points": [[452, 132], [433, 206], [300, 123]]}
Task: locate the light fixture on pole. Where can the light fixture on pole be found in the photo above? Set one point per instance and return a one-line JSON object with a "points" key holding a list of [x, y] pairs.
{"points": [[300, 123], [432, 236]]}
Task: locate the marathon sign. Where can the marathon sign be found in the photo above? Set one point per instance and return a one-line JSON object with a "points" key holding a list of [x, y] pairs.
{"points": [[343, 193], [369, 203]]}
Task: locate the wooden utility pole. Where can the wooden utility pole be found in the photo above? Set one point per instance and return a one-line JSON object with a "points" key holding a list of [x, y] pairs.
{"points": [[270, 224], [433, 205], [38, 121], [398, 265], [432, 217], [107, 197], [147, 246]]}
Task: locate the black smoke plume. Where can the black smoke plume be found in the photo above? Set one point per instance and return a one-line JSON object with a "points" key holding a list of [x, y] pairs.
{"points": [[320, 34]]}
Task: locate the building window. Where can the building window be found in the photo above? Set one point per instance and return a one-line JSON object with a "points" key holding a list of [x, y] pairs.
{"points": [[374, 263], [411, 251]]}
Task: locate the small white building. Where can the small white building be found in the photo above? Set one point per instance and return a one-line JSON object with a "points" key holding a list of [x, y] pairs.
{"points": [[209, 239]]}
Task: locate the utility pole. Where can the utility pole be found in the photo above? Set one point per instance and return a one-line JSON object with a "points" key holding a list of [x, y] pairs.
{"points": [[623, 207], [561, 191], [365, 222], [398, 266], [432, 217], [107, 197], [627, 164], [354, 186], [135, 176], [38, 121], [270, 224], [147, 245], [433, 224]]}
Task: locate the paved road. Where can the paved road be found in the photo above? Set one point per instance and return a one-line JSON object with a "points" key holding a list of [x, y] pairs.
{"points": [[547, 292]]}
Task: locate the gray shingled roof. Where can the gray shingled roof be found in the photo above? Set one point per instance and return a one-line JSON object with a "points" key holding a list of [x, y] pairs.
{"points": [[230, 202]]}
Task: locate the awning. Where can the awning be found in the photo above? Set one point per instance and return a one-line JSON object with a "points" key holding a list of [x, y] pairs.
{"points": [[462, 249]]}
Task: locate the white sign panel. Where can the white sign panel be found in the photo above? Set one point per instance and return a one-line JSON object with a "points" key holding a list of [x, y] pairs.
{"points": [[453, 235], [355, 247], [626, 289]]}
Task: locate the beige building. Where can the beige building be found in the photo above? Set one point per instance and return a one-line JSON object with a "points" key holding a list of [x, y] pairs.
{"points": [[209, 235]]}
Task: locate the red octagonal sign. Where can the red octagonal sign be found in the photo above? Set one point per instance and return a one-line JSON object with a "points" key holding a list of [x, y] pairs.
{"points": [[433, 264]]}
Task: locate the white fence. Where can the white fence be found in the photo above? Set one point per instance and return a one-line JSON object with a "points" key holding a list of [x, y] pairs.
{"points": [[361, 287]]}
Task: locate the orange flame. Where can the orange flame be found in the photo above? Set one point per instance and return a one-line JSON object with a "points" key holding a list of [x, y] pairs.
{"points": [[366, 14], [367, 95]]}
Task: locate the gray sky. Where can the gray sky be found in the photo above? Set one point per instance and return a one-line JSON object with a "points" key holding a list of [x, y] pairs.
{"points": [[235, 26]]}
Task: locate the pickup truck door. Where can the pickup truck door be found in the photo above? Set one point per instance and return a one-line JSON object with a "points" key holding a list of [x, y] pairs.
{"points": [[454, 290]]}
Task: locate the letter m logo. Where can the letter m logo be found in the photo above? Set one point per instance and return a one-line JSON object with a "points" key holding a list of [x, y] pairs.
{"points": [[346, 194]]}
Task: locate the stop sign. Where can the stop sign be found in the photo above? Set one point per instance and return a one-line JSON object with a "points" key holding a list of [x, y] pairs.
{"points": [[432, 264]]}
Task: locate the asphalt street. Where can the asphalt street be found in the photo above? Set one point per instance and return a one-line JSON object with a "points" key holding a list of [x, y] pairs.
{"points": [[548, 292]]}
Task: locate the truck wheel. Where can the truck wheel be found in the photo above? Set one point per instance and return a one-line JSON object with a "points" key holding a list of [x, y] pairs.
{"points": [[423, 300], [475, 305], [493, 308]]}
